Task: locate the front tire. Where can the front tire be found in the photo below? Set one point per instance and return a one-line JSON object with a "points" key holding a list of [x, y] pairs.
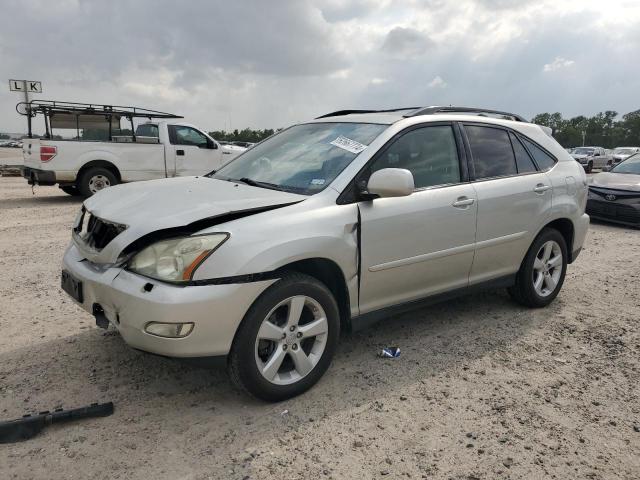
{"points": [[286, 340], [589, 167], [92, 180], [542, 272]]}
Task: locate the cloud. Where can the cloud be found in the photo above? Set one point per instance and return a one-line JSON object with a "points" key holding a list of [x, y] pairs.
{"points": [[263, 64], [437, 82], [406, 42], [557, 64]]}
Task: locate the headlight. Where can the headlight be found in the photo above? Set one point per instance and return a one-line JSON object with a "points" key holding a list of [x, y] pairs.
{"points": [[176, 259]]}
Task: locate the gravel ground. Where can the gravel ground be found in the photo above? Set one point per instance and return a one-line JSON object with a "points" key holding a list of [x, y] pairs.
{"points": [[484, 389]]}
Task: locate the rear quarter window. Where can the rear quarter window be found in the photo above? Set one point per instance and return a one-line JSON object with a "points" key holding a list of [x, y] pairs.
{"points": [[542, 158]]}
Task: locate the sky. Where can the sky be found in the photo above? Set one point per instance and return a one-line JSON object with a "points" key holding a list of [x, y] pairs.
{"points": [[269, 64]]}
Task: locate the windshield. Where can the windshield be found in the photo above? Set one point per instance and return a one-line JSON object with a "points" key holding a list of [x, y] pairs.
{"points": [[630, 165], [302, 159], [624, 151], [583, 151]]}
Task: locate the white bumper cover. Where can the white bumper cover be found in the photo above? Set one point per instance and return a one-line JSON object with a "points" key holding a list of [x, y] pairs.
{"points": [[216, 310]]}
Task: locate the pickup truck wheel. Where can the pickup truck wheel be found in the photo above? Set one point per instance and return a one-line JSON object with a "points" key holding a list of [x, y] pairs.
{"points": [[95, 179], [589, 167], [70, 190], [542, 272], [286, 340]]}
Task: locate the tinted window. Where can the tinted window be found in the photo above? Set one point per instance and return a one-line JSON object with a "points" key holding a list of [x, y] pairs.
{"points": [[542, 158], [429, 153], [492, 152], [187, 136], [147, 130], [523, 160]]}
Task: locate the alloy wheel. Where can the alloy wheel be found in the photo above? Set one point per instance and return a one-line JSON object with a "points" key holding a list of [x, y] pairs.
{"points": [[291, 340], [547, 268]]}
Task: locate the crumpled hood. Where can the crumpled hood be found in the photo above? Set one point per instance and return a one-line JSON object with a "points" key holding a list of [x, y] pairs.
{"points": [[146, 207], [617, 181]]}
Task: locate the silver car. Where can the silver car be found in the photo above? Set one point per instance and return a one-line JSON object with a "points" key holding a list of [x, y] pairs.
{"points": [[326, 226]]}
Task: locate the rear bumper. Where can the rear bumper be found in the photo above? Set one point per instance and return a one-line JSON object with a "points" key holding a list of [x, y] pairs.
{"points": [[579, 233], [39, 177], [215, 310]]}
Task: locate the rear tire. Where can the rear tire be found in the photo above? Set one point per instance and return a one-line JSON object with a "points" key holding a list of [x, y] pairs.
{"points": [[94, 179], [70, 190], [286, 340], [542, 272]]}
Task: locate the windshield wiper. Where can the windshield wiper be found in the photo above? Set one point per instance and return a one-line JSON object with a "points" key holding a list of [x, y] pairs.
{"points": [[256, 183]]}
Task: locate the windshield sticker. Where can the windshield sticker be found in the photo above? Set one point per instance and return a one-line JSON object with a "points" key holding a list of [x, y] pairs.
{"points": [[317, 181], [348, 144]]}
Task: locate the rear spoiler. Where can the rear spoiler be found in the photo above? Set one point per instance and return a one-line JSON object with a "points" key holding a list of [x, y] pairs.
{"points": [[546, 130]]}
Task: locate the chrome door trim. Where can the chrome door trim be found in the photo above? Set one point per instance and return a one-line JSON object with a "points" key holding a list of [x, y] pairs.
{"points": [[422, 258], [504, 239]]}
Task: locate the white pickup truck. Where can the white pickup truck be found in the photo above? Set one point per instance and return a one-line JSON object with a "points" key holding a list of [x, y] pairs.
{"points": [[158, 149]]}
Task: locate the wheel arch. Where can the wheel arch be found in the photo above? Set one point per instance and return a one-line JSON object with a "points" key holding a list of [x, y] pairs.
{"points": [[100, 164], [567, 230], [331, 275]]}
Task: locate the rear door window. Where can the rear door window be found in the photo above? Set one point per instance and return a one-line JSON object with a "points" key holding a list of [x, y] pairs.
{"points": [[491, 151]]}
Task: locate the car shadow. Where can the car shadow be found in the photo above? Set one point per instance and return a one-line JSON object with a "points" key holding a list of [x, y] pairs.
{"points": [[39, 201], [614, 225], [187, 400]]}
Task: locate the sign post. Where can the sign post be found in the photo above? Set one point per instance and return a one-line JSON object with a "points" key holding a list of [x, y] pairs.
{"points": [[26, 86]]}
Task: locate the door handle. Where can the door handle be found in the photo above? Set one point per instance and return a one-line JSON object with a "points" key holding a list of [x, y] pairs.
{"points": [[541, 188], [226, 153], [180, 153], [463, 202]]}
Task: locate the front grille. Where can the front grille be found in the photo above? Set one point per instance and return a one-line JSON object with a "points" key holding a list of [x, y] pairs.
{"points": [[95, 232]]}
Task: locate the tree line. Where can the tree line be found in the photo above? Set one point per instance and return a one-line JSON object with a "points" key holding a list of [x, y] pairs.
{"points": [[244, 135], [602, 129]]}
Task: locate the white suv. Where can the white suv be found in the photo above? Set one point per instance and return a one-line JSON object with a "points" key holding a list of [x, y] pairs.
{"points": [[328, 225]]}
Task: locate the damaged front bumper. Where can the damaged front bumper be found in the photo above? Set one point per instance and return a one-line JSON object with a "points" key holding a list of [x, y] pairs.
{"points": [[129, 302]]}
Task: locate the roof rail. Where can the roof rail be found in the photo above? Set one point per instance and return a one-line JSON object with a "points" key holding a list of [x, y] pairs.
{"points": [[350, 112], [51, 107], [434, 110]]}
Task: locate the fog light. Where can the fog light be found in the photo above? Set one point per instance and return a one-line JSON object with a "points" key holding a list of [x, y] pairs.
{"points": [[169, 330]]}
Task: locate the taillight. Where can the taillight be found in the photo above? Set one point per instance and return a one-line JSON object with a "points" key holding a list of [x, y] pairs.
{"points": [[47, 152]]}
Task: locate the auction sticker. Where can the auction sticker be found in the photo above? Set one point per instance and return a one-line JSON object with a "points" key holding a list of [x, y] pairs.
{"points": [[348, 144]]}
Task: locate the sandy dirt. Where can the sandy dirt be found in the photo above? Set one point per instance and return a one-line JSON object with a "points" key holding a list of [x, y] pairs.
{"points": [[484, 389]]}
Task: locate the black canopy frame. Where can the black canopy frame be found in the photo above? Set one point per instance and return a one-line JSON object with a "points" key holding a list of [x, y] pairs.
{"points": [[49, 108]]}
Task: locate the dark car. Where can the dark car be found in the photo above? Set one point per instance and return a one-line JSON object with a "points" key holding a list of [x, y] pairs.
{"points": [[615, 195]]}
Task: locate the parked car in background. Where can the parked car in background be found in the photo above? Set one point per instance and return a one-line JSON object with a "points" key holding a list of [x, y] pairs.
{"points": [[328, 225], [244, 144], [614, 195], [569, 150], [162, 148], [622, 153], [591, 157]]}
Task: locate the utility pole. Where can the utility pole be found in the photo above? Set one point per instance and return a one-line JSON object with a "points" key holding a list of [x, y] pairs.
{"points": [[27, 106], [584, 134]]}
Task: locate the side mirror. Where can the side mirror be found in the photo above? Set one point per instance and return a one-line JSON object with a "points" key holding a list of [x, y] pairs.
{"points": [[391, 182], [211, 144], [596, 154]]}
